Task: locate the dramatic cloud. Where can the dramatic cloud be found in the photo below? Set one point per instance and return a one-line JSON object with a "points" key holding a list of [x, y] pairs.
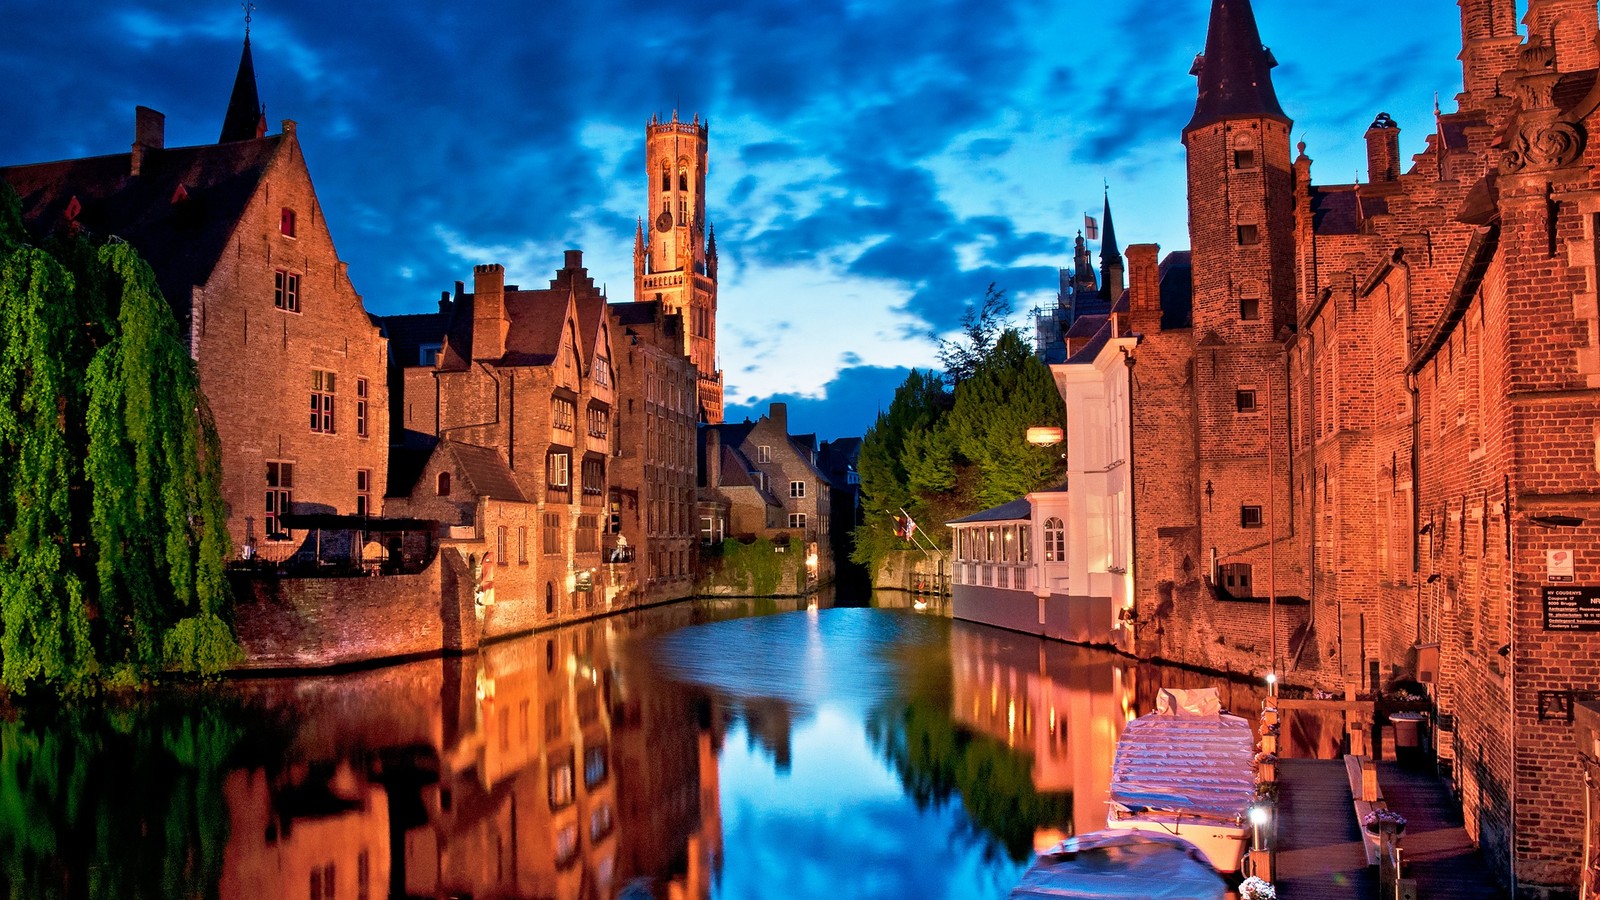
{"points": [[873, 166]]}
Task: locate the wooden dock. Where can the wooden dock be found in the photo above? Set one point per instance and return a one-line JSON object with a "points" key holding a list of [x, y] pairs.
{"points": [[1320, 852]]}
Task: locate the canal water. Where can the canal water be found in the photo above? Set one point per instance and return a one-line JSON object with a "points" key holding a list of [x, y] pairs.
{"points": [[709, 749]]}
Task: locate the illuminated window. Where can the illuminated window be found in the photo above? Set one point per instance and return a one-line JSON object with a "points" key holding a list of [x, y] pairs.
{"points": [[286, 222], [361, 407], [1055, 540], [683, 179]]}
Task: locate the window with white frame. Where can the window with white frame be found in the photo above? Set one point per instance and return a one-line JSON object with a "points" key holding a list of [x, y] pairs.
{"points": [[763, 453], [286, 290], [280, 490], [1055, 540], [797, 489], [361, 407], [797, 520]]}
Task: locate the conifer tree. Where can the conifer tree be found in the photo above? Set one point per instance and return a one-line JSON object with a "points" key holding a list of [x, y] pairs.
{"points": [[1009, 391]]}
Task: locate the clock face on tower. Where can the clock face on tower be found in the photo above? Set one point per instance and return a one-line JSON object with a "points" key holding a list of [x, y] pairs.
{"points": [[664, 221]]}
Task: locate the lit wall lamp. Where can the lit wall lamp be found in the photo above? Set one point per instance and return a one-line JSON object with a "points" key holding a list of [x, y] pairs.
{"points": [[1044, 435], [1556, 521]]}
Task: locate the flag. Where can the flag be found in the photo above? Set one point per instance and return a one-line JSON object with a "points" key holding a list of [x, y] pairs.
{"points": [[1091, 228], [904, 527]]}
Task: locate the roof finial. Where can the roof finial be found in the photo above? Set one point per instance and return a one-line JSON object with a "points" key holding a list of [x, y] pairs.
{"points": [[249, 7]]}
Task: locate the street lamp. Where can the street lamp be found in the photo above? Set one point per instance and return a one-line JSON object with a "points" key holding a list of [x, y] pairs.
{"points": [[1044, 435]]}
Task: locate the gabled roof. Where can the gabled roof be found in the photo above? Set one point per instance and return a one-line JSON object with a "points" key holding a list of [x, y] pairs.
{"points": [[1236, 69], [1019, 510], [538, 326], [484, 470], [180, 233], [407, 334]]}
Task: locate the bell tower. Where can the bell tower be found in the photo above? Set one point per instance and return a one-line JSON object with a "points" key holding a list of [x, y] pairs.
{"points": [[675, 253]]}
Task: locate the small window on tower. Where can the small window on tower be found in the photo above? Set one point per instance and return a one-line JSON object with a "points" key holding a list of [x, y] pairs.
{"points": [[1249, 308], [683, 179], [1244, 159], [1245, 400], [1249, 234], [1250, 517], [666, 179]]}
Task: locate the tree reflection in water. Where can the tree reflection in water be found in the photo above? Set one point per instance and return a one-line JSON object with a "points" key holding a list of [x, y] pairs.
{"points": [[714, 749]]}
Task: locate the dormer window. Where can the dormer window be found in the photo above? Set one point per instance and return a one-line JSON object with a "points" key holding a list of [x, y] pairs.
{"points": [[286, 222]]}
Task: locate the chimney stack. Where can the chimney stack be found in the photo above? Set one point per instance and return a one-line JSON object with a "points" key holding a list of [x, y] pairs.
{"points": [[574, 259], [489, 324], [149, 133], [1144, 288], [778, 414], [1383, 150]]}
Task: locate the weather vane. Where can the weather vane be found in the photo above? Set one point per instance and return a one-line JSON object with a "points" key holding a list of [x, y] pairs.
{"points": [[249, 7]]}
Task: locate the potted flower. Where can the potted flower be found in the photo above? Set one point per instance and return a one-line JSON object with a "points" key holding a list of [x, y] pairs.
{"points": [[1265, 759], [1384, 821], [1254, 888]]}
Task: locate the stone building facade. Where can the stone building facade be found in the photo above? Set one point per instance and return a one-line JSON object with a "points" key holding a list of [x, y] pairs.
{"points": [[1383, 413], [759, 480], [291, 364]]}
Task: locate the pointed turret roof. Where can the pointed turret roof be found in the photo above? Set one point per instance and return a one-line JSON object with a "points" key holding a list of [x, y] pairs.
{"points": [[1108, 236], [245, 119], [1236, 70]]}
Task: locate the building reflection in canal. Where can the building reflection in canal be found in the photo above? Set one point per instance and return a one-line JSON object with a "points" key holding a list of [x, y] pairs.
{"points": [[683, 753]]}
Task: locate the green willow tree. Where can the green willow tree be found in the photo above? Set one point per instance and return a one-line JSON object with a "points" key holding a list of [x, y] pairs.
{"points": [[111, 518]]}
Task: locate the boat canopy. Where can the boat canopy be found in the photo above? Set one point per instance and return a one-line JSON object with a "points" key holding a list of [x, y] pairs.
{"points": [[1191, 759], [1109, 865]]}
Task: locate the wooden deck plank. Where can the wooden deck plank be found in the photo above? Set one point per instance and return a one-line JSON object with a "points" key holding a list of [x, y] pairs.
{"points": [[1436, 850], [1320, 853]]}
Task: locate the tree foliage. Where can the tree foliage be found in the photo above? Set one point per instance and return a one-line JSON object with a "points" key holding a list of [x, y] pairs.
{"points": [[112, 518], [939, 454]]}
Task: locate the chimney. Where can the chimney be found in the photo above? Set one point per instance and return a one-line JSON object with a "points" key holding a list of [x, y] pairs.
{"points": [[574, 259], [444, 302], [1383, 150], [778, 414], [489, 323], [713, 472], [149, 133], [1144, 288]]}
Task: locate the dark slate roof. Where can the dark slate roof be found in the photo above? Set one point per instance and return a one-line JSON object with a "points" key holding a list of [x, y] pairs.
{"points": [[408, 333], [485, 471], [1335, 209], [245, 119], [636, 313], [1102, 334], [1015, 511], [406, 464], [1236, 69], [1087, 326], [537, 319], [181, 234], [1177, 291]]}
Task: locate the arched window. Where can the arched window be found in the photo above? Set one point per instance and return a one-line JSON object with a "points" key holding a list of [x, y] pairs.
{"points": [[666, 178], [1055, 540], [683, 179], [1244, 151], [444, 484], [549, 599]]}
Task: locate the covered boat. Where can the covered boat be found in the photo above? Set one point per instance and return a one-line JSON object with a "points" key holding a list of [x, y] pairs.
{"points": [[1118, 864], [1185, 770]]}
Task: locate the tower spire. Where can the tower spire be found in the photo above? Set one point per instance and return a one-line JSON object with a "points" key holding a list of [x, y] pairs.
{"points": [[1111, 267], [1236, 69], [246, 118]]}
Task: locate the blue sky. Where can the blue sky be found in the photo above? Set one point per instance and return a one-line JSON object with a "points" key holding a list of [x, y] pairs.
{"points": [[874, 165]]}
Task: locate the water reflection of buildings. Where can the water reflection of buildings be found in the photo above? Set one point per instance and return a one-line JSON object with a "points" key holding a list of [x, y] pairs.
{"points": [[1062, 705], [534, 769]]}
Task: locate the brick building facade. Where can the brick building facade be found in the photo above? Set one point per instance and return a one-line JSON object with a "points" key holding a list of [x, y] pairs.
{"points": [[291, 364], [675, 247], [1383, 412]]}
